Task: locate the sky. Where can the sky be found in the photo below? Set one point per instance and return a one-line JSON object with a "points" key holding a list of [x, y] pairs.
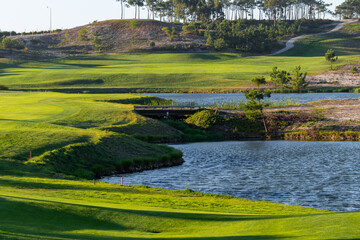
{"points": [[33, 15]]}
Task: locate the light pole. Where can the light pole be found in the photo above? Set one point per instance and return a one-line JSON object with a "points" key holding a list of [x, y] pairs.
{"points": [[50, 18]]}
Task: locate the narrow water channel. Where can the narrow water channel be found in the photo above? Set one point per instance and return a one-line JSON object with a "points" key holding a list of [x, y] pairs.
{"points": [[323, 175]]}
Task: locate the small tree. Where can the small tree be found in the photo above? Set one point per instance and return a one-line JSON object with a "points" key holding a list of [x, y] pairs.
{"points": [[219, 44], [298, 81], [280, 77], [254, 107], [353, 69], [170, 34], [8, 43], [83, 34], [331, 57], [258, 80]]}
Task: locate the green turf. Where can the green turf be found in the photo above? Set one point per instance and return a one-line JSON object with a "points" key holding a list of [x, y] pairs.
{"points": [[41, 122], [345, 42], [177, 70], [36, 204], [35, 208]]}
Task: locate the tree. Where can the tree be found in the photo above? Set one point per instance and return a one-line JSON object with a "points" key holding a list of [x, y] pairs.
{"points": [[298, 81], [258, 80], [280, 77], [83, 34], [122, 12], [254, 107], [331, 57], [8, 43]]}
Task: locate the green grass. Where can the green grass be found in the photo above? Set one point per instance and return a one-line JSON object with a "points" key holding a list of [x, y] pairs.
{"points": [[345, 43], [37, 202], [157, 70], [176, 70], [76, 125], [41, 208], [72, 128]]}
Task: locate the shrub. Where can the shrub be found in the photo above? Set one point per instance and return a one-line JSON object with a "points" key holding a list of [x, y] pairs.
{"points": [[82, 36], [35, 40], [152, 44], [97, 41], [353, 69], [8, 43], [67, 34], [219, 44], [170, 34], [190, 28], [134, 24], [204, 119]]}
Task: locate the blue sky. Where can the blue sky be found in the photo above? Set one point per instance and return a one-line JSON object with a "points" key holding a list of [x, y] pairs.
{"points": [[33, 15]]}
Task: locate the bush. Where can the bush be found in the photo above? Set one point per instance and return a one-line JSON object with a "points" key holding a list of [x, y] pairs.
{"points": [[8, 43], [170, 34], [190, 28], [204, 119], [35, 40], [134, 24], [82, 36], [97, 41], [219, 44], [353, 69], [152, 44]]}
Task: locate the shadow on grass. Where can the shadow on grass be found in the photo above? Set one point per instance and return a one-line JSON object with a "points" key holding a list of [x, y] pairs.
{"points": [[24, 154], [31, 219], [100, 58], [163, 214]]}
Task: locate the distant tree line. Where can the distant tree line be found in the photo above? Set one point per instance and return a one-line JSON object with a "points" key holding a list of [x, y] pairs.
{"points": [[210, 10], [13, 33], [349, 9]]}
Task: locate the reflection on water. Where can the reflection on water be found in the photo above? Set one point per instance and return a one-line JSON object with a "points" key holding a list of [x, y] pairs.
{"points": [[316, 174], [209, 99]]}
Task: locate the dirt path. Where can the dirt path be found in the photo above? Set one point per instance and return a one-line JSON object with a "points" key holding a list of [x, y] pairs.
{"points": [[291, 43]]}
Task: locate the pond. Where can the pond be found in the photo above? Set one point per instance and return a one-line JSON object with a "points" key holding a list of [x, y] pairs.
{"points": [[323, 175], [209, 99]]}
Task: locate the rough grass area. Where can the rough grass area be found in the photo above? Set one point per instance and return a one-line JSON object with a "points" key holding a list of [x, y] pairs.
{"points": [[69, 134]]}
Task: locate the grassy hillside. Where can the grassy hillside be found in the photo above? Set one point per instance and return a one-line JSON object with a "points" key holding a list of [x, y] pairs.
{"points": [[345, 42], [77, 126], [176, 70]]}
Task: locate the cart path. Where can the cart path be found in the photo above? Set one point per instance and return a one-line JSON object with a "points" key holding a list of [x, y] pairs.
{"points": [[291, 43]]}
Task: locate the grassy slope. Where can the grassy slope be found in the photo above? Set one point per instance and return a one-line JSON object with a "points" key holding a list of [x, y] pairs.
{"points": [[41, 122], [345, 42], [177, 70], [63, 209]]}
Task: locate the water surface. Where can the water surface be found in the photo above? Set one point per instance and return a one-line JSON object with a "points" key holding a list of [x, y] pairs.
{"points": [[209, 99], [323, 175]]}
